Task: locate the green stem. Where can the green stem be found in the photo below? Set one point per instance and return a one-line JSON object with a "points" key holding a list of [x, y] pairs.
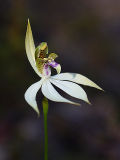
{"points": [[45, 111], [46, 138]]}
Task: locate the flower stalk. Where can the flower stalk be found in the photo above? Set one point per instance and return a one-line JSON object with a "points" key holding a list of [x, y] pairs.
{"points": [[45, 111]]}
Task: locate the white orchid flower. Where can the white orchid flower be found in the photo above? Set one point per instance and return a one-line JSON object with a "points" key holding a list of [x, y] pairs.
{"points": [[42, 66]]}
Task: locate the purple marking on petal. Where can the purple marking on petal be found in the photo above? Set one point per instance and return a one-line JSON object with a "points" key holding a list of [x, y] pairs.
{"points": [[46, 70], [53, 64], [46, 66]]}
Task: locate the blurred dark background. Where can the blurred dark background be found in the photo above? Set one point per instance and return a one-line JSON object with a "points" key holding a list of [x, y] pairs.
{"points": [[86, 35]]}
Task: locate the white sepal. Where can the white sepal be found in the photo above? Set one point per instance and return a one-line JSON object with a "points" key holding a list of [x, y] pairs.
{"points": [[30, 48], [49, 92], [77, 78], [30, 95], [71, 88]]}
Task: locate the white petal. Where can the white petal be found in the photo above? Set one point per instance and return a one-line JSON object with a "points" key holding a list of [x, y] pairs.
{"points": [[30, 48], [30, 95], [71, 88], [49, 91], [77, 78]]}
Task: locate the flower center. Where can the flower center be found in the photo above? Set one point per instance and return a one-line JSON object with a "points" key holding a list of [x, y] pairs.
{"points": [[43, 62]]}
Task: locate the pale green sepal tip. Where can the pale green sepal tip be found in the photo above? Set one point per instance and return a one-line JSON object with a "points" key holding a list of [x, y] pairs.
{"points": [[37, 110], [29, 23], [76, 104], [58, 69], [38, 113], [88, 102], [97, 87]]}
